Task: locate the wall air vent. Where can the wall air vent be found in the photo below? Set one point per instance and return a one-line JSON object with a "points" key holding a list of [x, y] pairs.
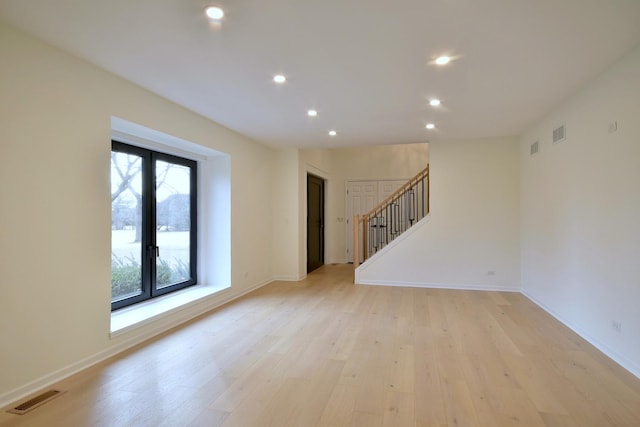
{"points": [[560, 133], [535, 148]]}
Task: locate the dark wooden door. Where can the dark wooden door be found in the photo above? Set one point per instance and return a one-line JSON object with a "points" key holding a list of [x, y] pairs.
{"points": [[315, 222]]}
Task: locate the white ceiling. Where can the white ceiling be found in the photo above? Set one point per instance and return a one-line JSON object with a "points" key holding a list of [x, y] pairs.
{"points": [[363, 64]]}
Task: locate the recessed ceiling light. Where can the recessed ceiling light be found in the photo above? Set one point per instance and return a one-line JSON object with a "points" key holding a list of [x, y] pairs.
{"points": [[215, 13], [279, 78], [312, 113], [434, 102], [430, 126], [442, 60], [332, 133]]}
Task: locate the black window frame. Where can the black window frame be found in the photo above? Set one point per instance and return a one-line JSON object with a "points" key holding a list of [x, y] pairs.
{"points": [[149, 247]]}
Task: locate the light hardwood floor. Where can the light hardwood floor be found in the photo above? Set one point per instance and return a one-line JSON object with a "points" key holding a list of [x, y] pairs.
{"points": [[324, 352]]}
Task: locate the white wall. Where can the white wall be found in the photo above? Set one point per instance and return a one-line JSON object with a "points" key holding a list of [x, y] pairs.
{"points": [[473, 227], [380, 162], [580, 222], [55, 225], [286, 217]]}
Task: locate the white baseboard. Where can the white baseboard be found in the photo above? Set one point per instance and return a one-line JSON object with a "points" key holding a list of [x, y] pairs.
{"points": [[338, 261], [289, 278], [627, 364], [126, 341], [439, 286]]}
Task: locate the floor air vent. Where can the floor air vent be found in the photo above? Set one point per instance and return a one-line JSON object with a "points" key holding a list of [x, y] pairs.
{"points": [[33, 403]]}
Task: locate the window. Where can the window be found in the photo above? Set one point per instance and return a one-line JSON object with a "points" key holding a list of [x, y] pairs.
{"points": [[153, 224]]}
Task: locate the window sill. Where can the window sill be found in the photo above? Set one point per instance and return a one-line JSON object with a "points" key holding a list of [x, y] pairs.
{"points": [[129, 318]]}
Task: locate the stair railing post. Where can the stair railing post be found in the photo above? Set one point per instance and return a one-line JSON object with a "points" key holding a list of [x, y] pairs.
{"points": [[356, 241], [428, 190], [365, 237]]}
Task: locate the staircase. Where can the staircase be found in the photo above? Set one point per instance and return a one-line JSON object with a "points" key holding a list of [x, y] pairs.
{"points": [[392, 217]]}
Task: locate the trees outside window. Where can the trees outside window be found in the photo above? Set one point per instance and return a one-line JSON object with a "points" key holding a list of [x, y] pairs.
{"points": [[153, 224]]}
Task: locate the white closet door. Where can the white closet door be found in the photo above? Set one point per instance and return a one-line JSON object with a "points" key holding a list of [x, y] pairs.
{"points": [[362, 196]]}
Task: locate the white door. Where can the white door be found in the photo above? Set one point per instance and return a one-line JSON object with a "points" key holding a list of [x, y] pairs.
{"points": [[362, 196]]}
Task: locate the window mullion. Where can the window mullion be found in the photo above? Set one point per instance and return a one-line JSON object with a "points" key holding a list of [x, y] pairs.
{"points": [[146, 226], [152, 244]]}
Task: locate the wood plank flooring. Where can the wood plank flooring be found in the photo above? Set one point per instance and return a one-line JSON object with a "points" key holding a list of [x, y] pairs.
{"points": [[324, 352]]}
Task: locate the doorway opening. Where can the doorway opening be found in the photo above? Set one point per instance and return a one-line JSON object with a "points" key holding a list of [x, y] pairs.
{"points": [[315, 222]]}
